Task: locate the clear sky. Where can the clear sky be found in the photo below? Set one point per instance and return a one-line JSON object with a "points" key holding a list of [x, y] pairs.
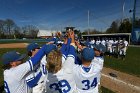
{"points": [[57, 14]]}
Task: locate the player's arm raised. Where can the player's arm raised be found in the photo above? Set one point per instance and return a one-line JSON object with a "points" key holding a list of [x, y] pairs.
{"points": [[29, 65]]}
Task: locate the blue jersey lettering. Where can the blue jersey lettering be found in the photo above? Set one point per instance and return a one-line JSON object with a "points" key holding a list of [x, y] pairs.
{"points": [[62, 86]]}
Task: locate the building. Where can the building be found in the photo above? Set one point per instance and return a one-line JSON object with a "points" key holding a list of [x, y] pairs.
{"points": [[46, 33], [127, 36]]}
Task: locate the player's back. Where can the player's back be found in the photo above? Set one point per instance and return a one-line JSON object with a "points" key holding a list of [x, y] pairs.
{"points": [[60, 78], [61, 82], [87, 79], [17, 84]]}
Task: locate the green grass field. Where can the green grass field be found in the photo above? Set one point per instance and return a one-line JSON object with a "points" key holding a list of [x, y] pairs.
{"points": [[5, 41], [130, 65]]}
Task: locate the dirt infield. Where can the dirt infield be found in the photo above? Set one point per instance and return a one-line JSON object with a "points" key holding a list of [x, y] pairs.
{"points": [[14, 45], [123, 83]]}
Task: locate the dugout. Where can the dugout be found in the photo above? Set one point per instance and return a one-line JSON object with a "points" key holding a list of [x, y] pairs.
{"points": [[127, 36]]}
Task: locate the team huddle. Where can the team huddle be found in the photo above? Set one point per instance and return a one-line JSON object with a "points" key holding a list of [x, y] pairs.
{"points": [[53, 68]]}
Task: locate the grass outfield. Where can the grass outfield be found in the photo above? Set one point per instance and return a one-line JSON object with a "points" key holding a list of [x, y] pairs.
{"points": [[5, 41], [105, 90], [130, 65]]}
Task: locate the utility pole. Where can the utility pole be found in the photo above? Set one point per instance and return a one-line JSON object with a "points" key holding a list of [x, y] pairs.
{"points": [[88, 22], [123, 7], [134, 11]]}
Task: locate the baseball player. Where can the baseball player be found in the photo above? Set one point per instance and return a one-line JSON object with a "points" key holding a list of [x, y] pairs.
{"points": [[15, 71], [87, 75], [126, 46], [99, 59], [60, 76], [122, 48], [36, 78]]}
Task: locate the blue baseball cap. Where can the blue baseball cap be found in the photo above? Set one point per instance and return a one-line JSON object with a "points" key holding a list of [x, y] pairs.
{"points": [[97, 47], [11, 57], [100, 48], [32, 46], [87, 54], [87, 44]]}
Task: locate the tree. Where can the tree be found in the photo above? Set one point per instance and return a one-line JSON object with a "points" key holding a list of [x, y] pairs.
{"points": [[125, 26], [17, 33], [1, 26], [137, 23], [9, 26], [113, 28], [30, 31], [91, 31]]}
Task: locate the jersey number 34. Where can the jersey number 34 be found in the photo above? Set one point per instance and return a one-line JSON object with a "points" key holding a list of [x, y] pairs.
{"points": [[87, 84]]}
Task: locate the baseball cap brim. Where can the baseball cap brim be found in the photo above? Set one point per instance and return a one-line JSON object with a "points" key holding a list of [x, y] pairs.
{"points": [[21, 57]]}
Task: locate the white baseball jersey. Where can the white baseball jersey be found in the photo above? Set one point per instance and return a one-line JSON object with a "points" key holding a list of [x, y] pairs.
{"points": [[100, 61], [92, 41], [87, 78], [14, 78], [109, 45], [37, 78], [98, 42], [103, 42], [126, 43], [63, 80]]}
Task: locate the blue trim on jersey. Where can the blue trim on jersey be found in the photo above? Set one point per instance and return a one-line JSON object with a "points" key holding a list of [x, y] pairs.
{"points": [[63, 56], [6, 88], [86, 69], [72, 51], [32, 83], [30, 79], [31, 67], [99, 57], [78, 60], [69, 41], [65, 47], [38, 55], [44, 69], [71, 56]]}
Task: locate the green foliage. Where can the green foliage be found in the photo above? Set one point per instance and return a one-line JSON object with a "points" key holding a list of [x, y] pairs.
{"points": [[137, 23], [91, 31], [9, 29], [125, 27], [5, 41], [130, 65]]}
